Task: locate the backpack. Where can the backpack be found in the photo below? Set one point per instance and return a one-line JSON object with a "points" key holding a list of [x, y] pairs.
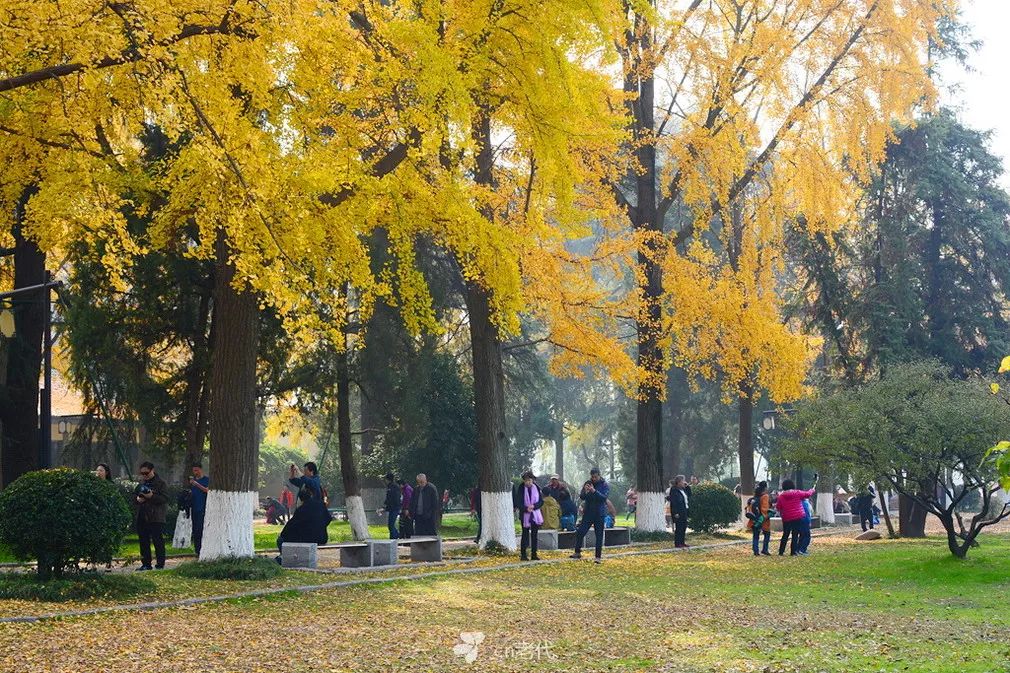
{"points": [[754, 512]]}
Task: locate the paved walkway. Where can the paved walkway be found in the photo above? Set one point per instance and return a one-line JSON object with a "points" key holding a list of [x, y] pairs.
{"points": [[392, 577]]}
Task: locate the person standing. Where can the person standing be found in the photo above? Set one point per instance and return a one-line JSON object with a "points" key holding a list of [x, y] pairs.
{"points": [[758, 520], [864, 505], [102, 471], [152, 507], [287, 502], [790, 508], [199, 484], [594, 496], [309, 479], [526, 498], [391, 506], [424, 506], [631, 498], [406, 498], [808, 518], [475, 509], [680, 504]]}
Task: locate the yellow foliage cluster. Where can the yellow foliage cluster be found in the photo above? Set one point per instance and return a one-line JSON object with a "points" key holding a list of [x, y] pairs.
{"points": [[301, 128]]}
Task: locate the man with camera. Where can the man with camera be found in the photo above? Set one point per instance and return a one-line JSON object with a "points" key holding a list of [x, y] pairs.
{"points": [[199, 484], [152, 506]]}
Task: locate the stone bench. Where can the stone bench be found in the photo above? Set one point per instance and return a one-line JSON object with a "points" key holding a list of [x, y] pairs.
{"points": [[423, 548], [362, 554], [846, 519], [815, 522], [550, 540]]}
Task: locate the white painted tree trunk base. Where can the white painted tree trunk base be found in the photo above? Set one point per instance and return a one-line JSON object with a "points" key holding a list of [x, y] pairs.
{"points": [[356, 517], [497, 520], [183, 535], [826, 507], [228, 527], [650, 516]]}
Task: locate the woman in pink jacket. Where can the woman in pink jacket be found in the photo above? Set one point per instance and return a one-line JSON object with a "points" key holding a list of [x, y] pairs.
{"points": [[790, 508]]}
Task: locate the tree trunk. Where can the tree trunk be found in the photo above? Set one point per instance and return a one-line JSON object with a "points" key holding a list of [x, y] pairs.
{"points": [[676, 381], [885, 513], [911, 517], [348, 469], [957, 546], [497, 520], [826, 498], [19, 409], [559, 450], [197, 388], [234, 454], [746, 440]]}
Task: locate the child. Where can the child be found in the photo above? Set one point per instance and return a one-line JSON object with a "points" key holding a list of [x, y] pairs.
{"points": [[805, 532], [758, 520]]}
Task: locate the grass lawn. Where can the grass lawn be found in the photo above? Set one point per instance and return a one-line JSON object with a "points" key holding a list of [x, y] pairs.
{"points": [[850, 607]]}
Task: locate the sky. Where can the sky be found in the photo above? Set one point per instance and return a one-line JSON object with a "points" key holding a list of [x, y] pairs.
{"points": [[983, 96]]}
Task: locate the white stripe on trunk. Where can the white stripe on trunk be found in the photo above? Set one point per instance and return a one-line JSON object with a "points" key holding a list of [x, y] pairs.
{"points": [[228, 527], [650, 516], [356, 517], [497, 520], [826, 507]]}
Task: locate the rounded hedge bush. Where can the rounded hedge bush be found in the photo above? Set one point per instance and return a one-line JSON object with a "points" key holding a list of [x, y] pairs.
{"points": [[712, 506], [62, 517]]}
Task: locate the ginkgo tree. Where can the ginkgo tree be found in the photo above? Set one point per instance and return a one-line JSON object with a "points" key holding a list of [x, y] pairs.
{"points": [[307, 127], [721, 93]]}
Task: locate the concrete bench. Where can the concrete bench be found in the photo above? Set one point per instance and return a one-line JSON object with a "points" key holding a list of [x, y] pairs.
{"points": [[549, 540], [362, 554], [299, 555], [846, 519], [423, 548], [815, 522]]}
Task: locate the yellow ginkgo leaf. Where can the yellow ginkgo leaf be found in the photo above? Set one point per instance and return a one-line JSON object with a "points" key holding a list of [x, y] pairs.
{"points": [[994, 387], [1004, 366]]}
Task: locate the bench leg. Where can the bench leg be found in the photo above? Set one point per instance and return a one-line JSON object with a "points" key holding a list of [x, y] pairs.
{"points": [[355, 557], [426, 551]]}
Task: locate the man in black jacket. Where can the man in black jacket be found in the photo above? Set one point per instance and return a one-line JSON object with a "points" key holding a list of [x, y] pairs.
{"points": [[308, 523], [391, 506], [425, 506], [679, 506], [152, 508]]}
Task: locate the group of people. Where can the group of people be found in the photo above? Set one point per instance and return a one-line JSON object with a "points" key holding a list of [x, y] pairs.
{"points": [[150, 500], [793, 506], [553, 507], [412, 510]]}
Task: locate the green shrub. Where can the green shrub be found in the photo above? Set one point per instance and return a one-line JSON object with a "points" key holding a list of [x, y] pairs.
{"points": [[246, 568], [76, 587], [60, 518], [712, 506]]}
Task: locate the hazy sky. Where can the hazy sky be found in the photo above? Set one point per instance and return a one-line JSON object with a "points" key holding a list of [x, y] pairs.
{"points": [[984, 96]]}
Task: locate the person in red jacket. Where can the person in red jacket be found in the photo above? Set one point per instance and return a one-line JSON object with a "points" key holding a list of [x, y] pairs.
{"points": [[790, 508]]}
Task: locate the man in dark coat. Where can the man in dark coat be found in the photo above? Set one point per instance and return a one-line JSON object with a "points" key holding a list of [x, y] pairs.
{"points": [[391, 506], [679, 497], [152, 508], [425, 506], [594, 494], [308, 523]]}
